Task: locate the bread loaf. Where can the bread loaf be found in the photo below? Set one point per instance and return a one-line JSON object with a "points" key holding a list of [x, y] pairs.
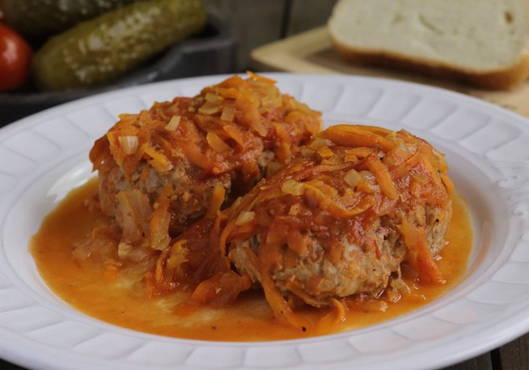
{"points": [[483, 42]]}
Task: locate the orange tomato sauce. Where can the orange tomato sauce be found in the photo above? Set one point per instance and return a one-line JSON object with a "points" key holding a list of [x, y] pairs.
{"points": [[119, 298]]}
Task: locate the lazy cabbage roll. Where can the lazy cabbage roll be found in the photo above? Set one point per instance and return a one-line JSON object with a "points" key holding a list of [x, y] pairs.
{"points": [[158, 168], [339, 221]]}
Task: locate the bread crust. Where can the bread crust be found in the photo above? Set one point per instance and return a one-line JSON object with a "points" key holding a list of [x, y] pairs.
{"points": [[496, 80]]}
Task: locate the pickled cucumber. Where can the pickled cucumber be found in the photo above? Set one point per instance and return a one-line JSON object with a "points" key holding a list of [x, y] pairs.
{"points": [[100, 50], [45, 17]]}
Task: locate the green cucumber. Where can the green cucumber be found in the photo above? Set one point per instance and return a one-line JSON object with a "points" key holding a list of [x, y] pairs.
{"points": [[99, 50], [45, 17]]}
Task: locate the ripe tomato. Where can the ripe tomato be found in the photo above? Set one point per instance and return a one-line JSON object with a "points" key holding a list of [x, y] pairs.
{"points": [[15, 58]]}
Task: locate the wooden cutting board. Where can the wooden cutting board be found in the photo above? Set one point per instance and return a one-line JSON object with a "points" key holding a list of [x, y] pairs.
{"points": [[312, 52]]}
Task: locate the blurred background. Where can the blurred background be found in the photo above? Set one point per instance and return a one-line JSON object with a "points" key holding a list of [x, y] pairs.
{"points": [[52, 37], [255, 23], [55, 51]]}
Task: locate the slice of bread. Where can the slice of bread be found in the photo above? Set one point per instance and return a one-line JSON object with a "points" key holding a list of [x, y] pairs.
{"points": [[483, 42]]}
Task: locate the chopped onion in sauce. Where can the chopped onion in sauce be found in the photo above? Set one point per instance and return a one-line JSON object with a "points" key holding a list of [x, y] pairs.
{"points": [[245, 217], [228, 113], [173, 123], [129, 144], [216, 142], [209, 108], [213, 98], [124, 250], [292, 187], [352, 178]]}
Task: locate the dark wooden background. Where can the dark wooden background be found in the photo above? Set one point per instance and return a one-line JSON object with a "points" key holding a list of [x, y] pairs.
{"points": [[257, 23]]}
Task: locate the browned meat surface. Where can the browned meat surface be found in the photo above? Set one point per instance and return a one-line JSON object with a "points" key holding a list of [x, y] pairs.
{"points": [[339, 222], [159, 168], [344, 222]]}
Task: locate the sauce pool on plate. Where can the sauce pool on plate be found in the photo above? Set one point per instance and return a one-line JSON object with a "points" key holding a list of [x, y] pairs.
{"points": [[117, 296]]}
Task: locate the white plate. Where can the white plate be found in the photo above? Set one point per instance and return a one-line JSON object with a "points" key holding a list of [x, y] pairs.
{"points": [[44, 156]]}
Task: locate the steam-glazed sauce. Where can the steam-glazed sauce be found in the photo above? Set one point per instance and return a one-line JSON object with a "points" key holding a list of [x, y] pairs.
{"points": [[117, 296]]}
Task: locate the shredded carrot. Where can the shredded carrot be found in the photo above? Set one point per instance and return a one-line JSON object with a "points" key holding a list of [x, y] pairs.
{"points": [[159, 268], [412, 161], [236, 134], [335, 315], [427, 268], [217, 198], [419, 254], [221, 289], [383, 176], [178, 255], [336, 208], [450, 187], [158, 160], [377, 130], [280, 306], [351, 135], [159, 225], [340, 309], [256, 77], [361, 152]]}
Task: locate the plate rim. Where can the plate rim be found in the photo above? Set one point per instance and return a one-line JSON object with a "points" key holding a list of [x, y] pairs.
{"points": [[13, 128]]}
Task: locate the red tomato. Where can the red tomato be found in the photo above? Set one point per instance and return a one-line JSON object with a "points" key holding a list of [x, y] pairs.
{"points": [[15, 58]]}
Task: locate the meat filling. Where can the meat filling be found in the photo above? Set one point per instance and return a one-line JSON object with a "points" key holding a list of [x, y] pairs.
{"points": [[158, 169], [341, 221]]}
